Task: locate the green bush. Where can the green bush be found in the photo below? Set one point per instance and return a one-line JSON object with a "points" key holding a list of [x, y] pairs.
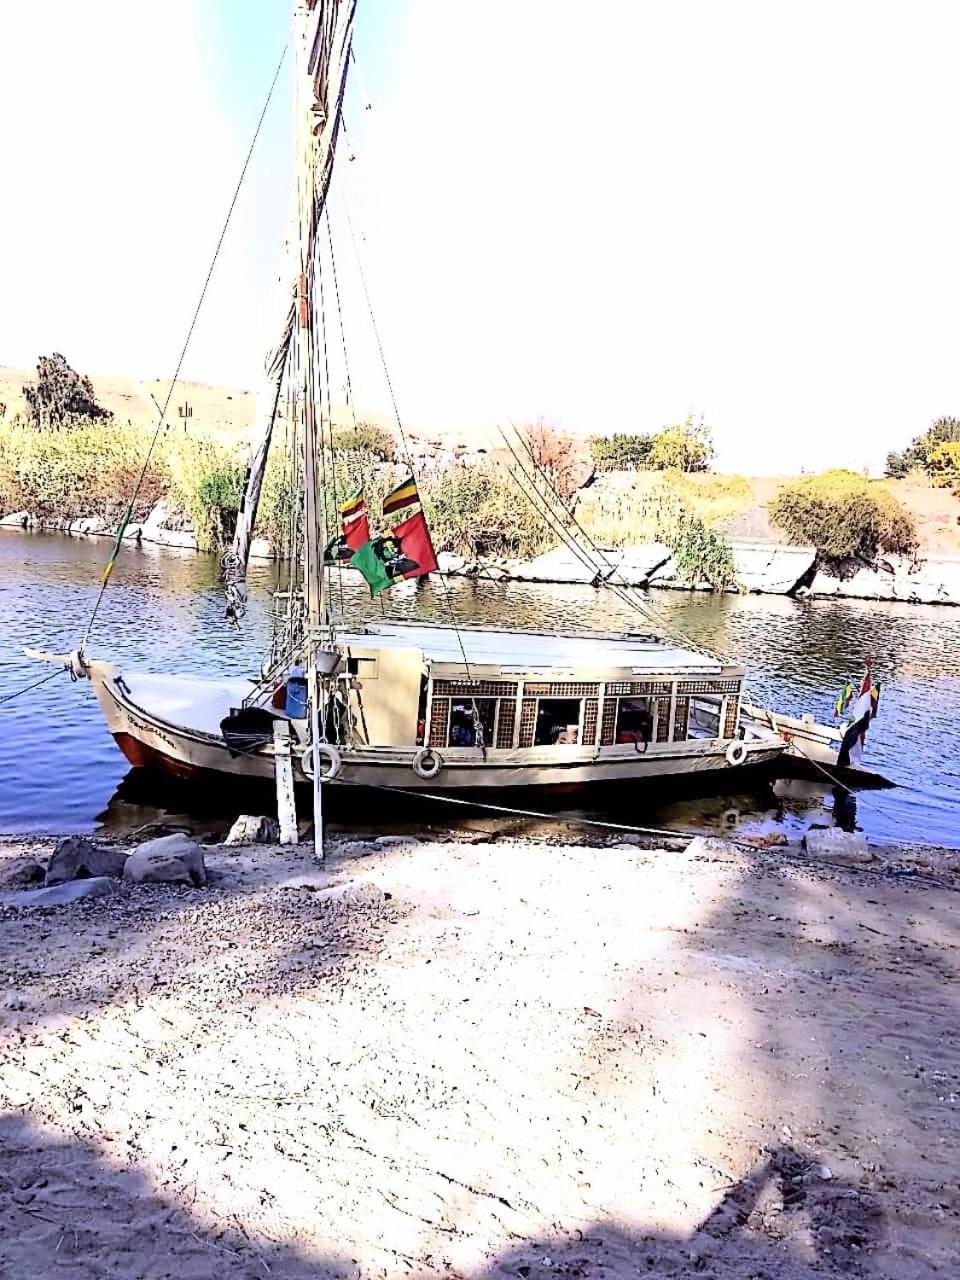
{"points": [[686, 446], [944, 465], [920, 452], [60, 396], [480, 510], [206, 485], [842, 514], [620, 452], [368, 438]]}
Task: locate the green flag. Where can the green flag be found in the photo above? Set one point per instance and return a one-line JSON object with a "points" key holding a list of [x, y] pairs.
{"points": [[372, 566]]}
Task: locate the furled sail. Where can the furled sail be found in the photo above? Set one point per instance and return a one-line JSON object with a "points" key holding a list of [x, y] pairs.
{"points": [[325, 28], [234, 562]]}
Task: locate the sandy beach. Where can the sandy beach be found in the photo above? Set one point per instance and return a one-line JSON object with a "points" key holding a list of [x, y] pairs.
{"points": [[483, 1060]]}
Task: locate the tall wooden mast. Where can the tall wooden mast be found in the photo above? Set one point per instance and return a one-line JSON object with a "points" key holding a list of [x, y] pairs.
{"points": [[322, 35]]}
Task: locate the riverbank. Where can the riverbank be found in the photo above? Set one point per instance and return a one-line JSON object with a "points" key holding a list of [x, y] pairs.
{"points": [[483, 1060], [765, 568]]}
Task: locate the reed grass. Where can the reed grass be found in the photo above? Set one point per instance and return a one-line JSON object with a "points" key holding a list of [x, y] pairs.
{"points": [[91, 469]]}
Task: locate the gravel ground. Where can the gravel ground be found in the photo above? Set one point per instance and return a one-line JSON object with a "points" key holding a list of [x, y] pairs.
{"points": [[484, 1060]]}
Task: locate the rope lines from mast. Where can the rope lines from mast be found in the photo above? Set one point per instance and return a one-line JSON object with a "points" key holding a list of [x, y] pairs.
{"points": [[162, 420], [528, 487], [408, 453], [326, 443], [348, 385], [598, 561]]}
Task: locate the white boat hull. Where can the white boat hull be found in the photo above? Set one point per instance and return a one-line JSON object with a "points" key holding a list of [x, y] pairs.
{"points": [[804, 738], [152, 741]]}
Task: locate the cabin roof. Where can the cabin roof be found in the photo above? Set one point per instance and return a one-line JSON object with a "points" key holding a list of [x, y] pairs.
{"points": [[523, 652]]}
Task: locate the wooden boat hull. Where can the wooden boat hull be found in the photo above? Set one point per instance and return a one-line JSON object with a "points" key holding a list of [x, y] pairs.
{"points": [[186, 753], [811, 749]]}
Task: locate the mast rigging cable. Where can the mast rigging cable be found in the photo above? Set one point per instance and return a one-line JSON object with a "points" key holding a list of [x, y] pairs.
{"points": [[161, 422]]}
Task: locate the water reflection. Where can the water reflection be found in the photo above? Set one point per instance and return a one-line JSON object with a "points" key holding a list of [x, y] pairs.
{"points": [[59, 767]]}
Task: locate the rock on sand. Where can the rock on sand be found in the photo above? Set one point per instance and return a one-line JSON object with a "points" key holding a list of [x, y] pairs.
{"points": [[172, 859], [78, 859], [59, 895]]}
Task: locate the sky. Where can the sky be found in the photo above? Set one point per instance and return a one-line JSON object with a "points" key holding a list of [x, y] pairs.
{"points": [[608, 216]]}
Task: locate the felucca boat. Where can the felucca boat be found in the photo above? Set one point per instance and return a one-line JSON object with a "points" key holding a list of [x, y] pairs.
{"points": [[388, 704]]}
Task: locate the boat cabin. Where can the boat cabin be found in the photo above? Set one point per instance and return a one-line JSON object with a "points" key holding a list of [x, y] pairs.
{"points": [[507, 690]]}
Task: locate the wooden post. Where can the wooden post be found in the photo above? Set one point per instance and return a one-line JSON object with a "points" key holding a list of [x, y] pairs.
{"points": [[286, 805], [672, 729]]}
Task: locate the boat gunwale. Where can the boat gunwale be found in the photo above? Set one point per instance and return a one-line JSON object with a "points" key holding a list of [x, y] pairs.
{"points": [[560, 756]]}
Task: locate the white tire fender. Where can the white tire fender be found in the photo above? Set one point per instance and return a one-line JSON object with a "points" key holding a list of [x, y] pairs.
{"points": [[325, 750], [736, 753], [427, 763]]}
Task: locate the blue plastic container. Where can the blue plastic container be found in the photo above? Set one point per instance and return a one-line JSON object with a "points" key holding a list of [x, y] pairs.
{"points": [[296, 703]]}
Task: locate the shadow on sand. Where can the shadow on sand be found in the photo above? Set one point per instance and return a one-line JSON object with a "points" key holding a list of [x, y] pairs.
{"points": [[67, 1209]]}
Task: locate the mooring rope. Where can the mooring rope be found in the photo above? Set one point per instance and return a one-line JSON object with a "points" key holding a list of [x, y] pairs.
{"points": [[9, 697], [161, 422]]}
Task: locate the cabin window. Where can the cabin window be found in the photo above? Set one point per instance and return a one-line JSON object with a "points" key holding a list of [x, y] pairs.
{"points": [[463, 722], [703, 720], [558, 721], [366, 668], [636, 720]]}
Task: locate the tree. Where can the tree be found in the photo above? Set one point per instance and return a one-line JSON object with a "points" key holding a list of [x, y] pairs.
{"points": [[918, 454], [60, 395], [843, 515], [366, 436], [620, 452], [943, 465], [556, 456], [685, 447]]}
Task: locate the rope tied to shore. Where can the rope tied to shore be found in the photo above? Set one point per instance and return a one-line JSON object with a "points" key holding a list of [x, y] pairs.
{"points": [[9, 697]]}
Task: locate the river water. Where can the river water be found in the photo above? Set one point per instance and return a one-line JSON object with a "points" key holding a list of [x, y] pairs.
{"points": [[60, 771]]}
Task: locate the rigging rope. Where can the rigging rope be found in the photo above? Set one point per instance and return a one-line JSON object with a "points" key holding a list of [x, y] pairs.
{"points": [[327, 444], [176, 377], [403, 435], [343, 336], [9, 697], [623, 590], [627, 597]]}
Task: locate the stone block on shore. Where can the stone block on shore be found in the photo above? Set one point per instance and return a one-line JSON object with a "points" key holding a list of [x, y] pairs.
{"points": [[61, 895], [172, 859], [253, 830], [836, 845], [935, 580], [629, 566], [21, 873], [447, 562], [771, 569], [16, 520], [78, 859], [87, 524]]}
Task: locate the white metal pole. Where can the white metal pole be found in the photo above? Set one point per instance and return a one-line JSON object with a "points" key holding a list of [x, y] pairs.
{"points": [[313, 693]]}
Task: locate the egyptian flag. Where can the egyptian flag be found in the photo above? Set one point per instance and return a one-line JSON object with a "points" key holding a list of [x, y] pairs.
{"points": [[356, 527], [404, 495], [861, 713]]}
